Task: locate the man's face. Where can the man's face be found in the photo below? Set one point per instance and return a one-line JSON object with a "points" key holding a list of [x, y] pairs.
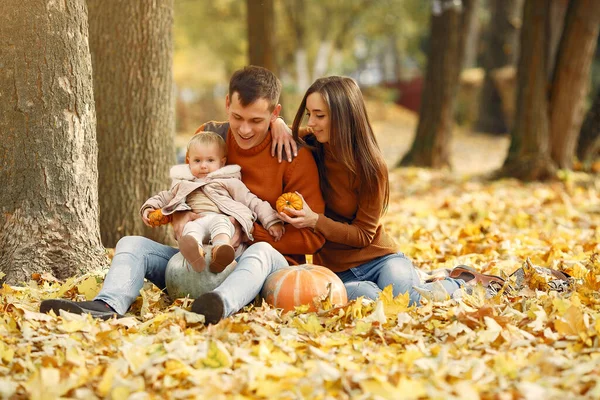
{"points": [[250, 124]]}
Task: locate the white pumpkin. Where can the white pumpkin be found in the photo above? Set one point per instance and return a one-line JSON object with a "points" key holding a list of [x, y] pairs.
{"points": [[183, 281]]}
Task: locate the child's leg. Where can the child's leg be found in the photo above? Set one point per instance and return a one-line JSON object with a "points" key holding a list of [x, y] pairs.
{"points": [[221, 232], [190, 244]]}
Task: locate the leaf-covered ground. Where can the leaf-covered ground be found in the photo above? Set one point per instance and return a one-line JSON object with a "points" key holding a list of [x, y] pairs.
{"points": [[531, 343]]}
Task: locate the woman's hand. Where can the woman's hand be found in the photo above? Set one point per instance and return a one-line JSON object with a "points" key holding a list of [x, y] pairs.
{"points": [[282, 137], [305, 218]]}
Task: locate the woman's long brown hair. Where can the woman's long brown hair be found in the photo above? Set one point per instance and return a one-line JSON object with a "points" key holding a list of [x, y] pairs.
{"points": [[351, 137]]}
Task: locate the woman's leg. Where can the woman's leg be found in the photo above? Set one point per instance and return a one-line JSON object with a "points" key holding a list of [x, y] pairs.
{"points": [[135, 258], [397, 270], [356, 288]]}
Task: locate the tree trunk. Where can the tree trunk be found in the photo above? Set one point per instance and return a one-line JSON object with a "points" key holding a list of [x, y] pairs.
{"points": [[294, 11], [472, 29], [589, 140], [529, 152], [48, 151], [261, 33], [571, 78], [555, 25], [132, 52], [501, 51], [430, 147]]}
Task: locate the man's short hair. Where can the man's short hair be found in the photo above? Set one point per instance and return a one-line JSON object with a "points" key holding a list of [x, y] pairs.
{"points": [[253, 83]]}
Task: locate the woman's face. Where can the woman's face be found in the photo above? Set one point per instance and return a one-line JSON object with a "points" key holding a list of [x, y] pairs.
{"points": [[319, 120]]}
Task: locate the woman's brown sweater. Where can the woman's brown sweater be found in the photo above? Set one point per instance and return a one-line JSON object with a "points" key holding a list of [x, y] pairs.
{"points": [[350, 223]]}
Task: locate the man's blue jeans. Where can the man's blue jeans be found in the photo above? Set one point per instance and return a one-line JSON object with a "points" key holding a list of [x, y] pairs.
{"points": [[370, 278], [137, 257]]}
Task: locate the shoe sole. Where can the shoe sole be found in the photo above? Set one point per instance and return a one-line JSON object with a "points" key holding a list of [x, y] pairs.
{"points": [[69, 306], [467, 273], [222, 256], [188, 246], [211, 306]]}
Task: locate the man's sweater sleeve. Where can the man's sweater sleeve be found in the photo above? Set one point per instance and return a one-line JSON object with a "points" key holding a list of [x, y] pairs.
{"points": [[301, 176]]}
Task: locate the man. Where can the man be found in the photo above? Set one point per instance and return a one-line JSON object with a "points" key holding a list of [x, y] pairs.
{"points": [[252, 106]]}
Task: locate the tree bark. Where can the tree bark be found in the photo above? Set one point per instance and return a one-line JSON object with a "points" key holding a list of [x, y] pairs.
{"points": [[430, 147], [501, 51], [571, 78], [132, 53], [589, 140], [48, 151], [261, 34], [529, 153], [555, 25]]}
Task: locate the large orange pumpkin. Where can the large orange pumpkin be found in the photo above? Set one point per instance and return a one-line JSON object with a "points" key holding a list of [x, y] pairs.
{"points": [[156, 218], [291, 200], [300, 284]]}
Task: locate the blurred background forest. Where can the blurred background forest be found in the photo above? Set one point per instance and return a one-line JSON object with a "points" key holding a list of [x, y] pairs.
{"points": [[383, 44]]}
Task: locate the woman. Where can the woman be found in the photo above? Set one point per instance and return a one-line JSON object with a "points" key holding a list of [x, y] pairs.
{"points": [[355, 186]]}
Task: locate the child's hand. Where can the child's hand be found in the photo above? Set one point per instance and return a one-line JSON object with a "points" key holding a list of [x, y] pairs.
{"points": [[145, 218], [277, 231]]}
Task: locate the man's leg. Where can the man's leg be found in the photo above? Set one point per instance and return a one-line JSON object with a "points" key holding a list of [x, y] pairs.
{"points": [[242, 286], [135, 258]]}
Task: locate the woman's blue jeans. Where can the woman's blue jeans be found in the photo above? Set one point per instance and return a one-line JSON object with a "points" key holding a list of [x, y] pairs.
{"points": [[370, 278], [137, 257]]}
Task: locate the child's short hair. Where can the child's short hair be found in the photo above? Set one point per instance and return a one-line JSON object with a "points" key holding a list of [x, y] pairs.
{"points": [[208, 137]]}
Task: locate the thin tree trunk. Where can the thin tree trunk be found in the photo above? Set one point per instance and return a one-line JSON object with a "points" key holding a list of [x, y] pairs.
{"points": [[571, 78], [294, 11], [556, 23], [131, 45], [48, 151], [529, 152], [589, 139], [430, 147], [501, 51], [472, 32], [261, 33]]}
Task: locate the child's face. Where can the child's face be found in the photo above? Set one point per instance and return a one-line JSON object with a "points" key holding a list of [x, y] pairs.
{"points": [[205, 158]]}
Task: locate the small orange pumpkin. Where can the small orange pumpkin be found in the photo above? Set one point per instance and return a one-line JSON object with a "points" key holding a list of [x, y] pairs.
{"points": [[301, 284], [289, 199], [156, 218]]}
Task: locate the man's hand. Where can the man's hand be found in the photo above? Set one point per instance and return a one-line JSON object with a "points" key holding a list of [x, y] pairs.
{"points": [[282, 137], [181, 218]]}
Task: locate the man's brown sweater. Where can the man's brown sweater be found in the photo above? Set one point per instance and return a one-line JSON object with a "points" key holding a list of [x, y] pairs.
{"points": [[269, 179], [350, 223]]}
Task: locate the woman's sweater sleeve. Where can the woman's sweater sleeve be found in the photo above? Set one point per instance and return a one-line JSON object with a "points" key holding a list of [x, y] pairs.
{"points": [[361, 230]]}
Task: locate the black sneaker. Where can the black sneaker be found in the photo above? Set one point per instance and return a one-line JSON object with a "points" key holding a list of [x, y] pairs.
{"points": [[96, 308], [211, 306]]}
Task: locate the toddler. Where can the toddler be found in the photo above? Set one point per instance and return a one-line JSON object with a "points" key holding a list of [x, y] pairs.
{"points": [[206, 186]]}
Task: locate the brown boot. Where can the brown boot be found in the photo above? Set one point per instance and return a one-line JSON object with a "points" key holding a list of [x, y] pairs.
{"points": [[222, 256], [192, 252]]}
